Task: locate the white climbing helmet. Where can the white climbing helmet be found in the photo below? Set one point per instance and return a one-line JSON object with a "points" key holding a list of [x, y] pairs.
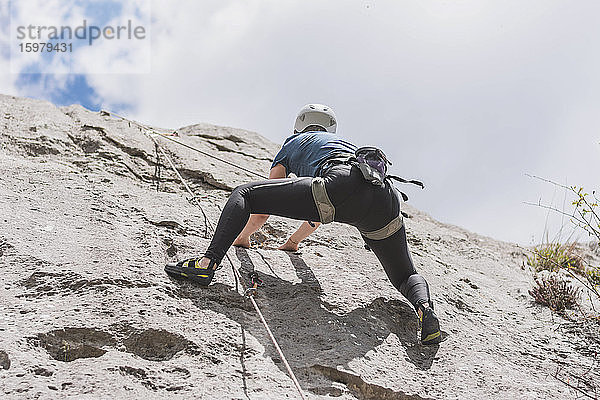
{"points": [[315, 114]]}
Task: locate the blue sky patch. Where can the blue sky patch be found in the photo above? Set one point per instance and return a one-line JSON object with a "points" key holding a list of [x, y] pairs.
{"points": [[76, 90], [101, 12], [35, 79]]}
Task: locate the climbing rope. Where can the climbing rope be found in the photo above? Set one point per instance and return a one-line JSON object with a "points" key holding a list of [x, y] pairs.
{"points": [[157, 168], [212, 156], [167, 136], [250, 294], [254, 279], [193, 198]]}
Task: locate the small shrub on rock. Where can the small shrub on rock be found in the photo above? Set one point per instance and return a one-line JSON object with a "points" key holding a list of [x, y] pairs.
{"points": [[554, 292], [593, 275]]}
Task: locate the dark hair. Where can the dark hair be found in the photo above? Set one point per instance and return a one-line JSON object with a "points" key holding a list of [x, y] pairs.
{"points": [[312, 128]]}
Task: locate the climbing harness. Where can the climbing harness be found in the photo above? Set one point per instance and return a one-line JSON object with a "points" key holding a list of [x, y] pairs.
{"points": [[372, 163], [255, 281], [392, 227], [324, 205]]}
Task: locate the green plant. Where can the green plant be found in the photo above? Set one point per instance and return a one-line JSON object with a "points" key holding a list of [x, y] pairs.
{"points": [[556, 293], [555, 256], [593, 276], [588, 211]]}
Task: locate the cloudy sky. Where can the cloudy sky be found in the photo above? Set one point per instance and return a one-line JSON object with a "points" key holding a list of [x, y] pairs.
{"points": [[468, 96]]}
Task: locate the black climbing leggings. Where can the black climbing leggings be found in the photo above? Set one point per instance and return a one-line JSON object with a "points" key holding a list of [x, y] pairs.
{"points": [[357, 202]]}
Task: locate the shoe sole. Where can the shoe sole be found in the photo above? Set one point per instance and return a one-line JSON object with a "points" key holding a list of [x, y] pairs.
{"points": [[202, 279], [433, 338], [431, 324]]}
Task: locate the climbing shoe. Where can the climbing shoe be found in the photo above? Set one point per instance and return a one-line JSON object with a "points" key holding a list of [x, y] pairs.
{"points": [[430, 324], [192, 270]]}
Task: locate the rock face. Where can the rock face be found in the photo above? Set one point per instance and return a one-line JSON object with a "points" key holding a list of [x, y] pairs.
{"points": [[90, 213]]}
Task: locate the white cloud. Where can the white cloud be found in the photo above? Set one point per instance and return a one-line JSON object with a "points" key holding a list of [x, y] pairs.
{"points": [[117, 55], [466, 95]]}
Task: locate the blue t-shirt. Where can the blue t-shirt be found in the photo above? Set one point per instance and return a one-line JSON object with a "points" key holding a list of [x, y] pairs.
{"points": [[303, 153]]}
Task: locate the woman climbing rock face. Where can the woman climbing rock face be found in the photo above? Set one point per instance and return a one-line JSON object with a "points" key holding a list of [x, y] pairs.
{"points": [[332, 180]]}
